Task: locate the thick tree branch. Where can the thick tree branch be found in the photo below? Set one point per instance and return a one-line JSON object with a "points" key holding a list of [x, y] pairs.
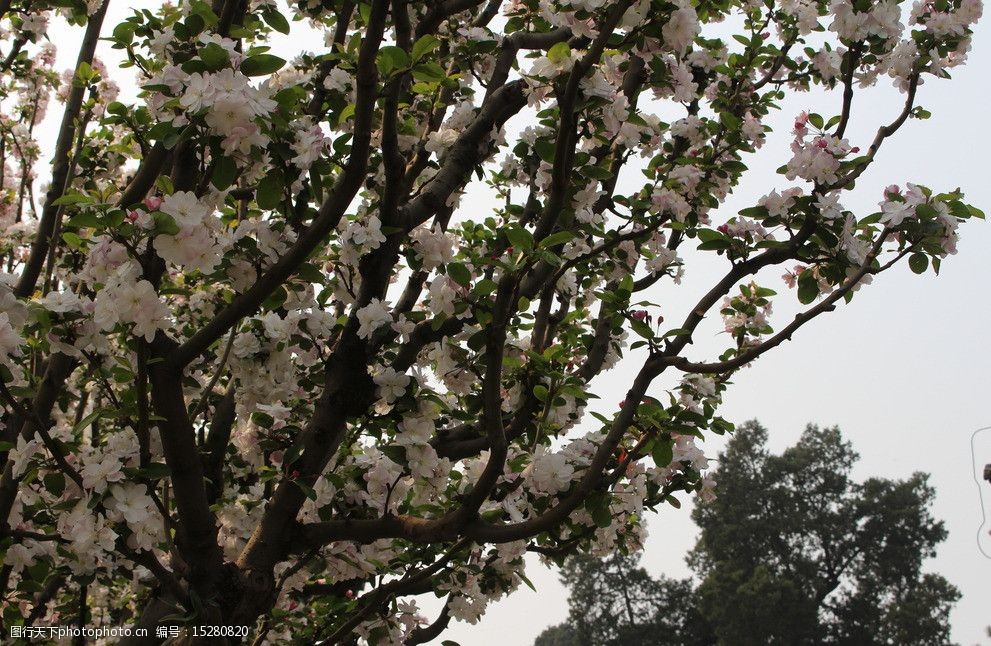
{"points": [[330, 213], [60, 161], [197, 538]]}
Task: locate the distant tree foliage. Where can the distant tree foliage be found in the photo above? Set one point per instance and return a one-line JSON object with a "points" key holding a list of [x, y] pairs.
{"points": [[616, 602], [792, 551]]}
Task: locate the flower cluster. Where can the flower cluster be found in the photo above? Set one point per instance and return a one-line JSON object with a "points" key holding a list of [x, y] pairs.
{"points": [[199, 243]]}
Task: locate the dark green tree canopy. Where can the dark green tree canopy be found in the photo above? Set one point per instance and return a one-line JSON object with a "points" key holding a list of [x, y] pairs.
{"points": [[616, 602], [792, 551]]}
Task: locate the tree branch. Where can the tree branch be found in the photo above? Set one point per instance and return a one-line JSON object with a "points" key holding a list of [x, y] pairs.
{"points": [[60, 161]]}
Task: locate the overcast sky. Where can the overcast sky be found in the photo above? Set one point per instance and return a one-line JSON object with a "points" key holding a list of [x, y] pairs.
{"points": [[902, 369]]}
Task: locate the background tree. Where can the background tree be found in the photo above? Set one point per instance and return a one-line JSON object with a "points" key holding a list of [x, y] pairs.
{"points": [[261, 370], [614, 602], [793, 551]]}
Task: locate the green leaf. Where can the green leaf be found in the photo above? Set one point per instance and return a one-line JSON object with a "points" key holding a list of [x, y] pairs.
{"points": [[268, 195], [346, 114], [85, 219], [540, 392], [261, 64], [391, 58], [164, 185], [642, 329], [459, 273], [597, 505], [86, 421], [662, 453], [545, 149], [926, 212], [918, 263], [73, 240], [54, 483], [155, 471], [555, 239], [73, 198], [396, 453], [429, 72], [423, 88], [959, 209], [224, 172], [596, 172], [625, 287], [485, 287], [423, 46], [276, 299], [311, 273], [124, 33], [165, 223], [729, 120], [477, 340], [559, 52], [203, 10], [214, 56], [705, 235], [365, 11], [715, 245], [808, 288], [84, 74], [188, 29], [275, 20], [520, 238]]}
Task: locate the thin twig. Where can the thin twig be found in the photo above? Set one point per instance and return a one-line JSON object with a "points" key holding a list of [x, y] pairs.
{"points": [[218, 371]]}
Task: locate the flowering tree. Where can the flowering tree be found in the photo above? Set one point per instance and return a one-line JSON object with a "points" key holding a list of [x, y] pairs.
{"points": [[260, 369]]}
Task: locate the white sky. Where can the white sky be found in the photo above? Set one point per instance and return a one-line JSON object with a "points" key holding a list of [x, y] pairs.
{"points": [[902, 369]]}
